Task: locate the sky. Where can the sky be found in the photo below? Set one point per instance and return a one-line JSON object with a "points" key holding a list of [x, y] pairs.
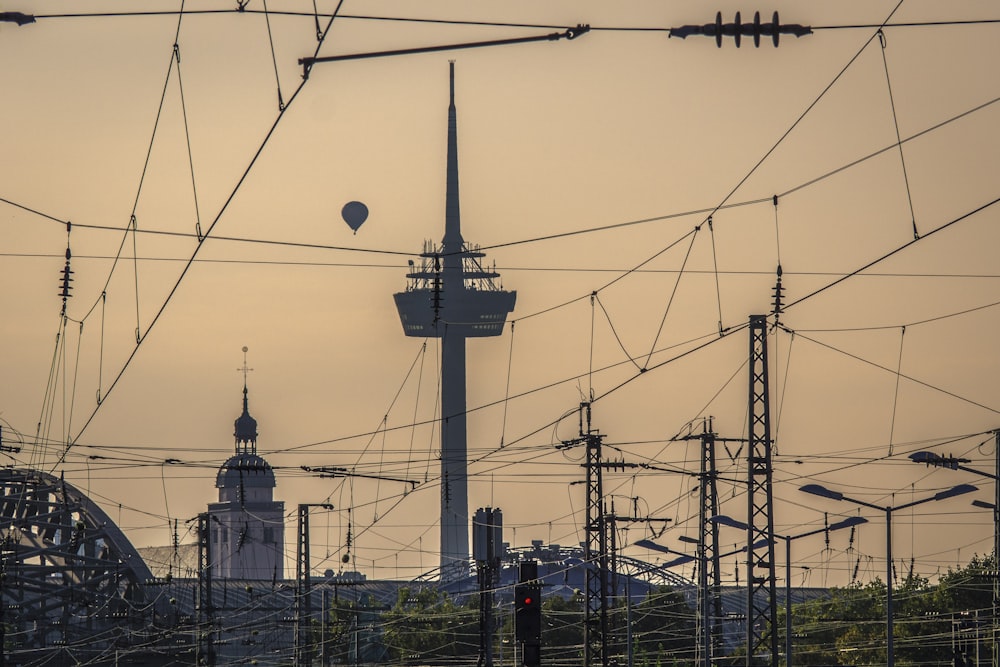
{"points": [[623, 183]]}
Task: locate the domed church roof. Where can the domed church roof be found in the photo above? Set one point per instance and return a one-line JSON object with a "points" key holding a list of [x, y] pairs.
{"points": [[245, 468]]}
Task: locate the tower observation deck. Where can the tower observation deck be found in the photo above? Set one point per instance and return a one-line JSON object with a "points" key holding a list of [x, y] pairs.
{"points": [[452, 297]]}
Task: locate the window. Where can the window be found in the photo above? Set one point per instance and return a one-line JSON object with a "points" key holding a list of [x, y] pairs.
{"points": [[268, 535]]}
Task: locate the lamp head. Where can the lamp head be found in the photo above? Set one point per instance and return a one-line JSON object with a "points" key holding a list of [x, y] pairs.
{"points": [[723, 520], [955, 491], [678, 561], [653, 546], [848, 522], [818, 490]]}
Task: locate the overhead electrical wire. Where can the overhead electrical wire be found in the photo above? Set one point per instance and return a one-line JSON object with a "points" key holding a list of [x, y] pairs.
{"points": [[491, 24], [536, 239], [884, 25], [954, 221], [904, 376], [188, 265]]}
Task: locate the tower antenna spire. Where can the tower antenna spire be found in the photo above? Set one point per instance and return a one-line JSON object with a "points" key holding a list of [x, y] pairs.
{"points": [[452, 213], [452, 297]]}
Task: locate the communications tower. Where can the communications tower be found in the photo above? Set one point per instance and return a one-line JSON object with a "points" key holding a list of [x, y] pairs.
{"points": [[452, 297]]}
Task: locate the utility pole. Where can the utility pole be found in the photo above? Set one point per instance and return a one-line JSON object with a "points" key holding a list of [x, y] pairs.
{"points": [[595, 547], [995, 573], [303, 588], [595, 550], [762, 613], [708, 558], [599, 546], [487, 542], [205, 645], [611, 521]]}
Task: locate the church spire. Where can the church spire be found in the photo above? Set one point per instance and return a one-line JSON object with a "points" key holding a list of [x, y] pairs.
{"points": [[245, 425]]}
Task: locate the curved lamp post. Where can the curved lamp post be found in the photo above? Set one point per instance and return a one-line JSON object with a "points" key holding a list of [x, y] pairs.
{"points": [[932, 459], [818, 490], [846, 523]]}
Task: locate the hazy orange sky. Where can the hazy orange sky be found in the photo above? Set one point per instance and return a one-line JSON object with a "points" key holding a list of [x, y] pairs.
{"points": [[557, 140]]}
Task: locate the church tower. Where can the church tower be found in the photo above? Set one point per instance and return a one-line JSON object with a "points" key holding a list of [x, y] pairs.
{"points": [[247, 529]]}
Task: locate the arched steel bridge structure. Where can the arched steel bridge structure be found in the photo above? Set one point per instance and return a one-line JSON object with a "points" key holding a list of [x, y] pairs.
{"points": [[68, 575]]}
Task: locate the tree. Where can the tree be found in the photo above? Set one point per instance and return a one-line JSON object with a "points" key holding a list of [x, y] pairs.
{"points": [[848, 626], [562, 630], [663, 629], [425, 626]]}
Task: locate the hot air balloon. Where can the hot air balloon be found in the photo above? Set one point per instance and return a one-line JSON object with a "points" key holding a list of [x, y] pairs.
{"points": [[354, 213]]}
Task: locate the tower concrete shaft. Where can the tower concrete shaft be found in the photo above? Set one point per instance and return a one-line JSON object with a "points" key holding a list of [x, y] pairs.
{"points": [[450, 296], [454, 458]]}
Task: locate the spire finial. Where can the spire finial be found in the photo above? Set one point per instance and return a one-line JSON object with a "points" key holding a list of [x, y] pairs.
{"points": [[245, 369], [245, 426]]}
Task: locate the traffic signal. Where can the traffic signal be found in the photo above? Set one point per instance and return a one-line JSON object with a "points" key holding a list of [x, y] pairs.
{"points": [[531, 654], [527, 611]]}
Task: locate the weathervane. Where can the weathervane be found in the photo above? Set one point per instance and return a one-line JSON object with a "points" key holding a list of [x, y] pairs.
{"points": [[245, 369]]}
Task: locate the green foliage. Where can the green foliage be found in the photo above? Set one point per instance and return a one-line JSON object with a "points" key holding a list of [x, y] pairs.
{"points": [[848, 627], [340, 630], [562, 630], [663, 629], [425, 626]]}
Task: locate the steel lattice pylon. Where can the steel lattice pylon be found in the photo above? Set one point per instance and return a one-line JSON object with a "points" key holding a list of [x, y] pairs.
{"points": [[709, 578], [595, 626], [70, 576], [204, 606], [596, 557], [303, 590], [762, 615]]}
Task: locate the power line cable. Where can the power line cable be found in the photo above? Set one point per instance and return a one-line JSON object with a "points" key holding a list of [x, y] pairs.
{"points": [[609, 227], [894, 251], [188, 265], [895, 122], [889, 370], [315, 15]]}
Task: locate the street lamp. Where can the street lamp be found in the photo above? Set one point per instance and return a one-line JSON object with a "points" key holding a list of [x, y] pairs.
{"points": [[846, 523], [932, 459], [818, 490]]}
